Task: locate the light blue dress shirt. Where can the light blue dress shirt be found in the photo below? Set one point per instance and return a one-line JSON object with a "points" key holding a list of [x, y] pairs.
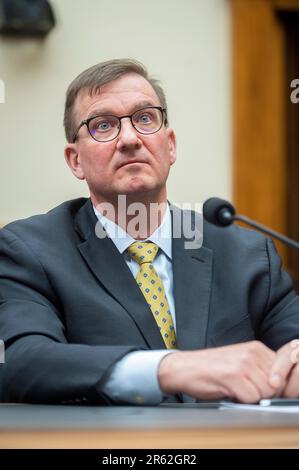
{"points": [[134, 379]]}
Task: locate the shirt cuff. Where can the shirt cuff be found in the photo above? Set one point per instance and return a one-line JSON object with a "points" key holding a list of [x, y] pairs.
{"points": [[134, 379]]}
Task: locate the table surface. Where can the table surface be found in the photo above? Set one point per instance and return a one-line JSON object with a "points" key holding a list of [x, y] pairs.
{"points": [[180, 426]]}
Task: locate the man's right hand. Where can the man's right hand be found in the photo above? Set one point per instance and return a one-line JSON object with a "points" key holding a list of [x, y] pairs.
{"points": [[239, 371]]}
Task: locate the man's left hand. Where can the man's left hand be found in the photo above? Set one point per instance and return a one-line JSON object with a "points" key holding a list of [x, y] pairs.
{"points": [[284, 374]]}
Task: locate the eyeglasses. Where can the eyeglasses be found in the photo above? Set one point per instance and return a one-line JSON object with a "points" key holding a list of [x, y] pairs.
{"points": [[106, 127]]}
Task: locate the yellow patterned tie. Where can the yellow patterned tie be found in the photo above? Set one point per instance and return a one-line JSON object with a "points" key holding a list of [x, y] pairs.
{"points": [[152, 288]]}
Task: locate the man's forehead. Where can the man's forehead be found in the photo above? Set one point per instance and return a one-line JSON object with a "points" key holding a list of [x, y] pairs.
{"points": [[128, 90]]}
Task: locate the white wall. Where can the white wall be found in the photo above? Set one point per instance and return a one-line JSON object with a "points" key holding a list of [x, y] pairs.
{"points": [[185, 43]]}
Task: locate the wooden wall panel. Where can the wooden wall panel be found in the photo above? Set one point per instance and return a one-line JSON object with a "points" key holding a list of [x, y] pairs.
{"points": [[259, 111]]}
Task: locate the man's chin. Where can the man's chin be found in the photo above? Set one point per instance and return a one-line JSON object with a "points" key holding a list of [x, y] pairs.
{"points": [[137, 186]]}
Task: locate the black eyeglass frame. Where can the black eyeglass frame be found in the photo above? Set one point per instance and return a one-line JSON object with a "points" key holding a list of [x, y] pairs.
{"points": [[86, 122]]}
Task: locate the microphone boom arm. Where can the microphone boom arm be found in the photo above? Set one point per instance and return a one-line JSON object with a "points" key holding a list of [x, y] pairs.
{"points": [[222, 213], [267, 231]]}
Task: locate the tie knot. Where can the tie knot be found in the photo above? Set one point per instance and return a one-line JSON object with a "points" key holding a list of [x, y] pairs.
{"points": [[143, 252]]}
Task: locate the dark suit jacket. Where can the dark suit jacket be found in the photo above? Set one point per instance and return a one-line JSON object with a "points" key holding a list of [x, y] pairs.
{"points": [[70, 307]]}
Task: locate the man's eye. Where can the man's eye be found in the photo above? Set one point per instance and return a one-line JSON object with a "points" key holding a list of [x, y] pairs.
{"points": [[103, 126], [145, 119]]}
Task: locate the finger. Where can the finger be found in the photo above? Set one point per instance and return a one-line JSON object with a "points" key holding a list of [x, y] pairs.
{"points": [[292, 388], [260, 379], [246, 391], [286, 358], [264, 359], [264, 356], [252, 386], [258, 363], [266, 362]]}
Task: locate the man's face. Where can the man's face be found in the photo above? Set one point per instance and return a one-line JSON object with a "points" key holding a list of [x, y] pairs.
{"points": [[132, 163]]}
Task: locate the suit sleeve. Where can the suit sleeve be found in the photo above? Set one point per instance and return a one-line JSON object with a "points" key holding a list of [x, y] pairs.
{"points": [[41, 366], [281, 317]]}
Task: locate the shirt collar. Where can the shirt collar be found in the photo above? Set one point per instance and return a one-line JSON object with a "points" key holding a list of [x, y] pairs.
{"points": [[122, 240]]}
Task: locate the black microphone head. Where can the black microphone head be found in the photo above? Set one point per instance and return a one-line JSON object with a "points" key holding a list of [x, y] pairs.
{"points": [[218, 211]]}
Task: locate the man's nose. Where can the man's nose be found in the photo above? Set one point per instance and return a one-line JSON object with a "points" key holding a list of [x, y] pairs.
{"points": [[128, 137]]}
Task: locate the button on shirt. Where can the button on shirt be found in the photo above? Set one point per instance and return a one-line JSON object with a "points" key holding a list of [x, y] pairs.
{"points": [[134, 379]]}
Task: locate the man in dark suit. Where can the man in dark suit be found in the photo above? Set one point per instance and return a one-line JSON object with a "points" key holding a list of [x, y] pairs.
{"points": [[205, 322]]}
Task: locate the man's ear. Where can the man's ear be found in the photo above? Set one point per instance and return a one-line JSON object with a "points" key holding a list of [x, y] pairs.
{"points": [[73, 160], [172, 145]]}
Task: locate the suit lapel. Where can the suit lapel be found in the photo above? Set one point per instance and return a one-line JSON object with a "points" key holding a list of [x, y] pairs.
{"points": [[104, 260], [192, 272]]}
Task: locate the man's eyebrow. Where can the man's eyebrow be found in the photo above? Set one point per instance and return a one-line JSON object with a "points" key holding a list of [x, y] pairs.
{"points": [[139, 105]]}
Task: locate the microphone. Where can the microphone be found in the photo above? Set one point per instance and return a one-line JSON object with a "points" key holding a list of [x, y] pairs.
{"points": [[222, 213]]}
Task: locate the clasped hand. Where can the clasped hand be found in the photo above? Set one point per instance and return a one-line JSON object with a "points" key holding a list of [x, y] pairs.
{"points": [[245, 372]]}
